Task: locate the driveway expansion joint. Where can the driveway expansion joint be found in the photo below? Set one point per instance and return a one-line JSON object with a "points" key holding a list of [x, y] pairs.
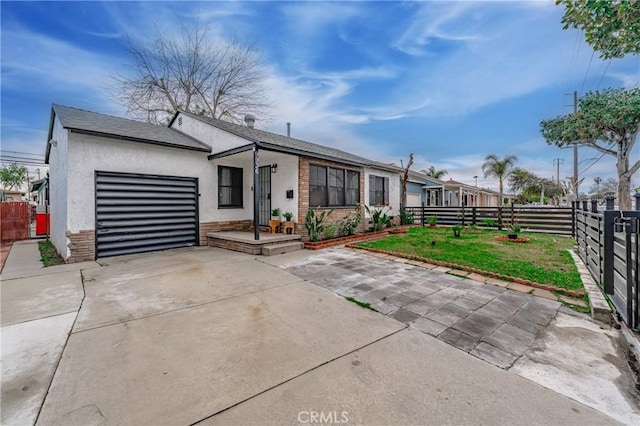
{"points": [[299, 375], [64, 348]]}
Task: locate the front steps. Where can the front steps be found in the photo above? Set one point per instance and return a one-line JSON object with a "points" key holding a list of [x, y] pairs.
{"points": [[281, 248]]}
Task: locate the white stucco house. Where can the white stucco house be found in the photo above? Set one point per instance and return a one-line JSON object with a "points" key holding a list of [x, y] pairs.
{"points": [[119, 186]]}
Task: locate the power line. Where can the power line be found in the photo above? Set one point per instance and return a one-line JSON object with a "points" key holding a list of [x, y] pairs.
{"points": [[586, 74], [603, 74], [592, 164]]}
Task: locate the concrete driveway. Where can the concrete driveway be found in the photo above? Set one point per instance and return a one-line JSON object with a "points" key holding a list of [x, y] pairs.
{"points": [[207, 335]]}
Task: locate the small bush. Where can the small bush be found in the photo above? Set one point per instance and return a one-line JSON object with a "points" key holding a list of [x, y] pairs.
{"points": [[314, 223], [489, 223], [379, 218], [329, 231], [349, 224], [432, 220], [406, 217]]}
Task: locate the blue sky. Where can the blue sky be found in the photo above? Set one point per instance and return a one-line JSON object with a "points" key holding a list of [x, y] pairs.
{"points": [[449, 81]]}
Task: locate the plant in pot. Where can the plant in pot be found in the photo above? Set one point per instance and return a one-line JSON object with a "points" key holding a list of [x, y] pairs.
{"points": [[274, 223], [288, 222], [457, 229], [513, 232], [432, 220]]}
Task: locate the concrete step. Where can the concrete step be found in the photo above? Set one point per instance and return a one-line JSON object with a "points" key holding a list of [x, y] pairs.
{"points": [[273, 249]]}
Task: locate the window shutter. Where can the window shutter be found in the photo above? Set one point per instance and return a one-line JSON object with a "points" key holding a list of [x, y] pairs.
{"points": [[386, 191], [372, 190]]}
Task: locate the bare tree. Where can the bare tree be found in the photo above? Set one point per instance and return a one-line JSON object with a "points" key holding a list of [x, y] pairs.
{"points": [[194, 73], [404, 179]]}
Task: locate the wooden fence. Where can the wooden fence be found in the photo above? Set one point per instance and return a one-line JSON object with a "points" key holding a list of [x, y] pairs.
{"points": [[14, 221], [557, 220]]}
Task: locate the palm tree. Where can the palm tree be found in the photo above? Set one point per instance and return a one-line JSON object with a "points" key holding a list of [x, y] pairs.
{"points": [[500, 168], [431, 171], [597, 180]]}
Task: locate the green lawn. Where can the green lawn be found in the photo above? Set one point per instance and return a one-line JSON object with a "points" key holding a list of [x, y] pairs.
{"points": [[544, 260]]}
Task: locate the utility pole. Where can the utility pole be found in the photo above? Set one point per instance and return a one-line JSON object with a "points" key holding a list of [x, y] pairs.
{"points": [[557, 162], [576, 184]]}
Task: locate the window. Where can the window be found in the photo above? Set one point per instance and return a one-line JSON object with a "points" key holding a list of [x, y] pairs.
{"points": [[352, 195], [378, 191], [329, 186], [317, 186], [336, 187], [229, 186]]}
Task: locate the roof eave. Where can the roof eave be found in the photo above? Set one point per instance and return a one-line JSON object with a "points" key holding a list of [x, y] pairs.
{"points": [[49, 135]]}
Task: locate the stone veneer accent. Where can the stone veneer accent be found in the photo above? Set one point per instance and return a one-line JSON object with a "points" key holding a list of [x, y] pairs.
{"points": [[228, 225], [303, 195], [82, 246]]}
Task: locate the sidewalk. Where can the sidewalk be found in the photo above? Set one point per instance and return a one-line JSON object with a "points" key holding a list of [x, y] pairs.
{"points": [[4, 252], [38, 308]]}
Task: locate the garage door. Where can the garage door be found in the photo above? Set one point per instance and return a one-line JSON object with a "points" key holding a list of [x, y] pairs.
{"points": [[414, 200], [140, 213]]}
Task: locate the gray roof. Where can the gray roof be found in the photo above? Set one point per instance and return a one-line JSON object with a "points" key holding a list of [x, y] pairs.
{"points": [[287, 144], [88, 122]]}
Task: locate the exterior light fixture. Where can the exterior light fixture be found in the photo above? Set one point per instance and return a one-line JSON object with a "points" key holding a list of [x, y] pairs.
{"points": [[274, 168]]}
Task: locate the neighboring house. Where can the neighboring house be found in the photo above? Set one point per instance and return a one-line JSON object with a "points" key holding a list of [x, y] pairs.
{"points": [[38, 191], [11, 195], [119, 186]]}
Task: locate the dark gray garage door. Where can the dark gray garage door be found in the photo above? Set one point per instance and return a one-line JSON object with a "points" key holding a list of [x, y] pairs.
{"points": [[140, 213]]}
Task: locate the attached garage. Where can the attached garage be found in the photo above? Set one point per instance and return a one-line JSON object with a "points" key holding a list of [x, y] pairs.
{"points": [[138, 213]]}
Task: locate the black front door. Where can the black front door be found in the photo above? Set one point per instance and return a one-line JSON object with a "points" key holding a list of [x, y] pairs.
{"points": [[264, 180]]}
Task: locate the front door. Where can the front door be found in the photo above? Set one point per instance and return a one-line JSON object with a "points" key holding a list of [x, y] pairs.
{"points": [[264, 180]]}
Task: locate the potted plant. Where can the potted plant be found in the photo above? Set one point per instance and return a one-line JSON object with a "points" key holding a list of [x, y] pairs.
{"points": [[432, 220], [274, 223], [513, 233], [288, 223], [457, 229]]}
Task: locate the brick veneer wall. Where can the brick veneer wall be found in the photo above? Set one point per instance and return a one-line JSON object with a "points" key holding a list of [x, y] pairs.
{"points": [[235, 246], [227, 225], [82, 246], [303, 195]]}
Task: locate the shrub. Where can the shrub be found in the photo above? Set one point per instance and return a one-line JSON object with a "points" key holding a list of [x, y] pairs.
{"points": [[314, 223], [432, 220], [379, 218], [490, 223], [406, 217], [329, 231], [350, 223]]}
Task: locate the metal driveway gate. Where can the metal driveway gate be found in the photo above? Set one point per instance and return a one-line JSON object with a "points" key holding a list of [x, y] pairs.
{"points": [[140, 213]]}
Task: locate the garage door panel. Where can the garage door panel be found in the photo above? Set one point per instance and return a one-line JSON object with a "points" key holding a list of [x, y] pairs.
{"points": [[132, 225], [140, 188], [142, 249], [136, 180], [141, 213], [150, 236], [140, 202], [114, 216], [158, 195], [142, 209]]}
